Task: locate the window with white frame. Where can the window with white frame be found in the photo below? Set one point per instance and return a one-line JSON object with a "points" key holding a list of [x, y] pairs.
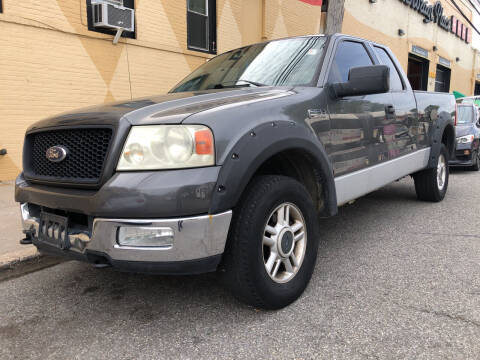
{"points": [[201, 25]]}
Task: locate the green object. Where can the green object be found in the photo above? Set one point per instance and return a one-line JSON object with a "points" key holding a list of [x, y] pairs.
{"points": [[475, 100]]}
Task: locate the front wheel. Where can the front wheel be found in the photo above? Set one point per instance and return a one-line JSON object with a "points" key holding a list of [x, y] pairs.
{"points": [[476, 160], [432, 184], [273, 242]]}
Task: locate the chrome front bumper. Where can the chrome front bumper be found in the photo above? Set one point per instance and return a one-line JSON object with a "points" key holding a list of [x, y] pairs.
{"points": [[195, 237]]}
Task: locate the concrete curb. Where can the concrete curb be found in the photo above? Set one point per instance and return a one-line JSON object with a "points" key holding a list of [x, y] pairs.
{"points": [[15, 259], [12, 259], [25, 261]]}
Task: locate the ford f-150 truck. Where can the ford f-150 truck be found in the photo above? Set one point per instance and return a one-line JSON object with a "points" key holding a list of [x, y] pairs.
{"points": [[232, 169]]}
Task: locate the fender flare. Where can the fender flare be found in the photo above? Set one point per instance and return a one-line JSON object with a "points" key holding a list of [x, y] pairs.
{"points": [[443, 123], [257, 146]]}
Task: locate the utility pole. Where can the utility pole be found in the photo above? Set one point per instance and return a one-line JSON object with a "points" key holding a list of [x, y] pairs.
{"points": [[335, 16]]}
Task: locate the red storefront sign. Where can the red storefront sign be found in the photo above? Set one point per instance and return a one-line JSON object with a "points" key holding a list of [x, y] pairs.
{"points": [[461, 30], [313, 2]]}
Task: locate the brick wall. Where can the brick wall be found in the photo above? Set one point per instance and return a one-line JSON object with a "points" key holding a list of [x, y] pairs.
{"points": [[50, 63]]}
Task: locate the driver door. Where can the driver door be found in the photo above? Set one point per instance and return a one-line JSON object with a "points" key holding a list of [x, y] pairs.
{"points": [[357, 122]]}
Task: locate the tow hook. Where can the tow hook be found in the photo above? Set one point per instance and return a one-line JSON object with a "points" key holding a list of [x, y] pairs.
{"points": [[27, 240]]}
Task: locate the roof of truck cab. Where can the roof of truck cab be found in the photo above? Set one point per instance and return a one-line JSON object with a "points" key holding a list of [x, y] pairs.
{"points": [[332, 36], [279, 39]]}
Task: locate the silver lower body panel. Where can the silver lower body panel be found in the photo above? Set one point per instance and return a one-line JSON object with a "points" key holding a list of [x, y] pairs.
{"points": [[356, 184]]}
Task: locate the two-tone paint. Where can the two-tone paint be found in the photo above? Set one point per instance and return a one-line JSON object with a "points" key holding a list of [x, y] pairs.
{"points": [[354, 145]]}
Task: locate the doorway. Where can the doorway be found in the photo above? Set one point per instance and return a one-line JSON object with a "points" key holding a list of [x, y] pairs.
{"points": [[417, 72], [442, 79], [477, 88]]}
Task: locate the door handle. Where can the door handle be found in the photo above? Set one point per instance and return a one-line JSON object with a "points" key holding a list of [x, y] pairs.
{"points": [[390, 109]]}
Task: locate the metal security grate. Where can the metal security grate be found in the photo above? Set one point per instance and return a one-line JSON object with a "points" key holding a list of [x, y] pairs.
{"points": [[120, 17], [87, 150]]}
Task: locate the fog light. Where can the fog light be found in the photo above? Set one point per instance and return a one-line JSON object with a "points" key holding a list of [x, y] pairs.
{"points": [[466, 152], [133, 236]]}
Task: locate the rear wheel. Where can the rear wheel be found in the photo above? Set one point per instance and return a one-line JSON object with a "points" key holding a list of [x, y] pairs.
{"points": [[273, 242], [432, 184]]}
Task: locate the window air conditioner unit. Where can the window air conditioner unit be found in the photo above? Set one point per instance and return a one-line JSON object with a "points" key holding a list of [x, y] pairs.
{"points": [[107, 14]]}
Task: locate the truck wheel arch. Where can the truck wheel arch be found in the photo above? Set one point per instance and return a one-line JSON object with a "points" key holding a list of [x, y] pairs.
{"points": [[448, 138], [253, 152], [443, 132]]}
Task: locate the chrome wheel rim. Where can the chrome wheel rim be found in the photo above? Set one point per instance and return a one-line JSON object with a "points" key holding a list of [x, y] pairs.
{"points": [[284, 242], [441, 172]]}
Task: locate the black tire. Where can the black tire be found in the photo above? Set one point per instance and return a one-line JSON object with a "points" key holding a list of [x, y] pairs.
{"points": [[243, 269], [426, 183], [476, 162]]}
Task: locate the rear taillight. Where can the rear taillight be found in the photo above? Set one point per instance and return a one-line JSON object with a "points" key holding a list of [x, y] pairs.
{"points": [[456, 113]]}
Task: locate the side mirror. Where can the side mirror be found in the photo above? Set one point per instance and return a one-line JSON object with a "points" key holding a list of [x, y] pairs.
{"points": [[364, 80]]}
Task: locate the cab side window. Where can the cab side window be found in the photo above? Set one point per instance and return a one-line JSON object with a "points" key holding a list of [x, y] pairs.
{"points": [[349, 54], [395, 81]]}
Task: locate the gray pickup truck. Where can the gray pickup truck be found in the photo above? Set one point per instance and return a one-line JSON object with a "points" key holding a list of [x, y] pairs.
{"points": [[232, 169]]}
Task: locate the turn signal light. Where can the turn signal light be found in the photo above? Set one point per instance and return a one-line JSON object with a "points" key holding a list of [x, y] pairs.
{"points": [[204, 142]]}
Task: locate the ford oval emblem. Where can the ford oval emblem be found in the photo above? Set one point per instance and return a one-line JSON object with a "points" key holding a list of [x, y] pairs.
{"points": [[56, 153]]}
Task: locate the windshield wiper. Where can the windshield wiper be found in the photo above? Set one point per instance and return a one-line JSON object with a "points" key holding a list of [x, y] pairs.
{"points": [[252, 82], [234, 84]]}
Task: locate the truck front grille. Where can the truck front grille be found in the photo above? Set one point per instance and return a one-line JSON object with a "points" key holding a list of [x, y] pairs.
{"points": [[84, 163]]}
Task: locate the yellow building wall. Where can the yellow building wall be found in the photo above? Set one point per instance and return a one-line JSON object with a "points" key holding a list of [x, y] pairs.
{"points": [[381, 21], [292, 18], [50, 63]]}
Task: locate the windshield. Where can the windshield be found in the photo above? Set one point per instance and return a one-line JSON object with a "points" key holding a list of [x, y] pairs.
{"points": [[289, 62], [465, 115]]}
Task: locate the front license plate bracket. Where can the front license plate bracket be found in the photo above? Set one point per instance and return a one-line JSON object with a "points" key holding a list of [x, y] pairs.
{"points": [[54, 230]]}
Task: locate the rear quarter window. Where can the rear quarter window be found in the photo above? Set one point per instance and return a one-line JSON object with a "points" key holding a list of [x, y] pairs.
{"points": [[395, 80]]}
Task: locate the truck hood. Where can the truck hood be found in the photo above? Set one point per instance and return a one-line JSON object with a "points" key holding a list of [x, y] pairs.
{"points": [[170, 108]]}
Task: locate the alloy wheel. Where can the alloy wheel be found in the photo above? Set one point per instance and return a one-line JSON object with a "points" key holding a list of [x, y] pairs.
{"points": [[284, 242], [441, 172]]}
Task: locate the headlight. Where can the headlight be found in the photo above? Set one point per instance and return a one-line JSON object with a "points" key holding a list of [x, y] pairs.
{"points": [[167, 147], [465, 139]]}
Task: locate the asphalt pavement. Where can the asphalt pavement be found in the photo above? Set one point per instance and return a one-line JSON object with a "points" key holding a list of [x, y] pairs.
{"points": [[395, 279]]}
